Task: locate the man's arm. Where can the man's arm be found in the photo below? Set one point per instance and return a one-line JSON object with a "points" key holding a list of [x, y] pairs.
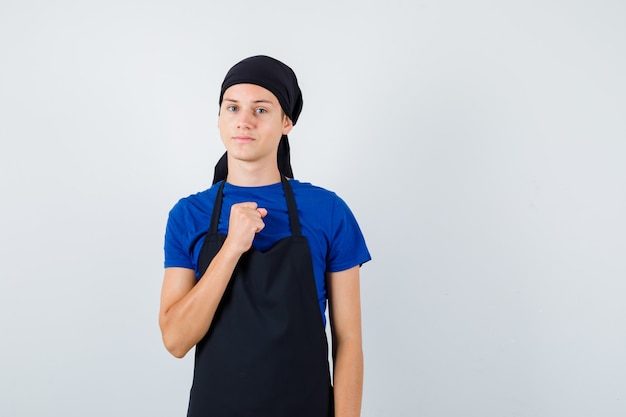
{"points": [[345, 321], [187, 307]]}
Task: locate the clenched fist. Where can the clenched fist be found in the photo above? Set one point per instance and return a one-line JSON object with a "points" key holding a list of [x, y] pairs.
{"points": [[246, 220]]}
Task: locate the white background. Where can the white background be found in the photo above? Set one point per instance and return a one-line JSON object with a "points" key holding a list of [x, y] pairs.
{"points": [[481, 146]]}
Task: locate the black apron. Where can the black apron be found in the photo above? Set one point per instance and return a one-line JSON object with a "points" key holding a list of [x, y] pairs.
{"points": [[265, 354]]}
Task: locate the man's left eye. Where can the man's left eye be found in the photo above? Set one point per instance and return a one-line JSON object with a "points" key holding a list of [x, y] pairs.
{"points": [[261, 111]]}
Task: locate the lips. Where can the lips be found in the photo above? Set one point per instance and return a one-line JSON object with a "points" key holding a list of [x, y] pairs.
{"points": [[243, 139]]}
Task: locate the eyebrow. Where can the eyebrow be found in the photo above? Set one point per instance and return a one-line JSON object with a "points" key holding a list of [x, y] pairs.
{"points": [[254, 101]]}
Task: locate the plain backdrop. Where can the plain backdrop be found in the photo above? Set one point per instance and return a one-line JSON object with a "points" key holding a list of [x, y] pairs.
{"points": [[481, 146]]}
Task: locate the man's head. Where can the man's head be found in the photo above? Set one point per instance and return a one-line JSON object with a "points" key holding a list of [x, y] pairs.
{"points": [[250, 80], [252, 124], [272, 75]]}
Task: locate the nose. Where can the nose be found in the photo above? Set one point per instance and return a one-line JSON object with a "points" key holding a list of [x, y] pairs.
{"points": [[245, 120]]}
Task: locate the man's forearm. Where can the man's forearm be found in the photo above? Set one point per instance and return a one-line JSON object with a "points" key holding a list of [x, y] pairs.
{"points": [[348, 378]]}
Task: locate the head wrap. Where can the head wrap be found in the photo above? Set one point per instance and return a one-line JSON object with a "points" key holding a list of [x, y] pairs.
{"points": [[281, 81]]}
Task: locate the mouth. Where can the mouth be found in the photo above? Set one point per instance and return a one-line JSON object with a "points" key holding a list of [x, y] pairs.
{"points": [[243, 139]]}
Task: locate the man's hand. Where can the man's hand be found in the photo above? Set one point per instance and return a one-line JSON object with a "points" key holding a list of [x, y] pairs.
{"points": [[246, 220]]}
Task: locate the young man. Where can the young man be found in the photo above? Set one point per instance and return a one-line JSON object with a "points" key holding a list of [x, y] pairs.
{"points": [[251, 262]]}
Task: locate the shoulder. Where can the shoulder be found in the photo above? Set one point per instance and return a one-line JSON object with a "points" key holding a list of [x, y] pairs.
{"points": [[200, 203], [309, 192], [322, 200]]}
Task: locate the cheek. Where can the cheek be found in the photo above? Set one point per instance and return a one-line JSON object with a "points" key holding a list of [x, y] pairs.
{"points": [[222, 125], [222, 122]]}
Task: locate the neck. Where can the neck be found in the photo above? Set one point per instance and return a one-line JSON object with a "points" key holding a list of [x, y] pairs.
{"points": [[248, 175]]}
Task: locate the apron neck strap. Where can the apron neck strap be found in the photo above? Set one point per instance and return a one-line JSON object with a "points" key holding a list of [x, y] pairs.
{"points": [[217, 209], [294, 222]]}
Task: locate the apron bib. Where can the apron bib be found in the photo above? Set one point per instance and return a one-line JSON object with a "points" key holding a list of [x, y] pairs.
{"points": [[265, 354]]}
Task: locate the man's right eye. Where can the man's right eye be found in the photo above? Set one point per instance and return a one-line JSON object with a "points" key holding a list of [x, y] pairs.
{"points": [[231, 108]]}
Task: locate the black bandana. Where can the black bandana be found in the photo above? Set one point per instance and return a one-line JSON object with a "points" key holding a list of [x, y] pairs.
{"points": [[279, 79]]}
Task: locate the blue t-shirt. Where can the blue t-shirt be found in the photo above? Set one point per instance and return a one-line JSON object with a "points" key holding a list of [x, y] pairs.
{"points": [[334, 236]]}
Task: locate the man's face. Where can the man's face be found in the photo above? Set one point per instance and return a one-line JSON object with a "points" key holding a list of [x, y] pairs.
{"points": [[251, 123]]}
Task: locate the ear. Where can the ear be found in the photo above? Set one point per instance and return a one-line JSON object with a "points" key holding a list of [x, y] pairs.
{"points": [[287, 125]]}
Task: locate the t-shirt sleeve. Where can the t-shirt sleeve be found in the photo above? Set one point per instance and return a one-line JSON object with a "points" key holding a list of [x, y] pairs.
{"points": [[347, 245], [176, 252]]}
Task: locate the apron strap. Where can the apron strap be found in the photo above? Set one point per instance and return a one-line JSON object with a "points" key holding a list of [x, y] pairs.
{"points": [[217, 209], [294, 221]]}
